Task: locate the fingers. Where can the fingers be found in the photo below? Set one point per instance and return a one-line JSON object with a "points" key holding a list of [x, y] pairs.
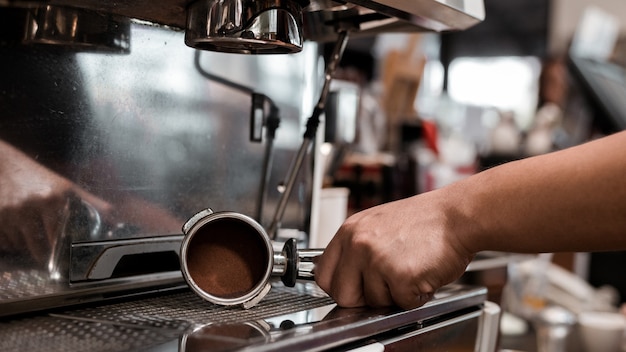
{"points": [[357, 270], [347, 273], [325, 265], [347, 283], [409, 296], [352, 280], [339, 274], [376, 291]]}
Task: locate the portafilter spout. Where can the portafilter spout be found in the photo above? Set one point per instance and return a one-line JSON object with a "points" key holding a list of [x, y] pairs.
{"points": [[227, 258]]}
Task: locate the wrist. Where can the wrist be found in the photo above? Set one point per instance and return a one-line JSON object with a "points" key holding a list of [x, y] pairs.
{"points": [[467, 215]]}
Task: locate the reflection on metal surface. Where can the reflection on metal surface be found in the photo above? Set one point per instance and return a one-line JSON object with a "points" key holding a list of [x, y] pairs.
{"points": [[151, 141], [290, 319], [223, 337], [389, 16], [71, 28], [52, 334], [319, 16], [99, 260], [31, 290], [457, 333], [245, 26], [80, 219], [275, 26]]}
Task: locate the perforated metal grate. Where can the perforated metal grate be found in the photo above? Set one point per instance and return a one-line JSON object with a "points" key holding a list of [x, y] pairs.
{"points": [[137, 324], [52, 334], [183, 309]]}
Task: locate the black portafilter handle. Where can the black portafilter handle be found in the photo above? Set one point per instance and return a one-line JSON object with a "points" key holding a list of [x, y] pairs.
{"points": [[294, 264]]}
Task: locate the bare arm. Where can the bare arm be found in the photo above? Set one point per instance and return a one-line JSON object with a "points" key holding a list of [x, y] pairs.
{"points": [[402, 252], [572, 200]]}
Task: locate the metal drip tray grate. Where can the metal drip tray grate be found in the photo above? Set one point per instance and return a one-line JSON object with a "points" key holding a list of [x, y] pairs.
{"points": [[185, 309], [144, 323], [287, 319], [53, 334]]}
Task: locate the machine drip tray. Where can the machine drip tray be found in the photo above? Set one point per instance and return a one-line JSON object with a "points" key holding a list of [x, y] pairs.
{"points": [[288, 319]]}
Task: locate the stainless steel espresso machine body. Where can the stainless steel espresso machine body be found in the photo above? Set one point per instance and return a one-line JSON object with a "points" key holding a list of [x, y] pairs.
{"points": [[123, 122], [156, 141]]}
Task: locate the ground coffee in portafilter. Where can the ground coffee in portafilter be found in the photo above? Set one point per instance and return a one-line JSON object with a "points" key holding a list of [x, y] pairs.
{"points": [[227, 258]]}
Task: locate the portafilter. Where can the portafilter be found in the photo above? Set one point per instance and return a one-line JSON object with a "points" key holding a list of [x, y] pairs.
{"points": [[227, 258]]}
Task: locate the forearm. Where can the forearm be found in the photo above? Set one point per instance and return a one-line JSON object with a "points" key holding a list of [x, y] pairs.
{"points": [[571, 200]]}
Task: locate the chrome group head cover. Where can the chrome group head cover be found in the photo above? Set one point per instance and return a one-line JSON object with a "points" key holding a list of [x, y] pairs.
{"points": [[79, 30], [245, 26]]}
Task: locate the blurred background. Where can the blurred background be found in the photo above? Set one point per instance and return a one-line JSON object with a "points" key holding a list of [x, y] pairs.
{"points": [[147, 131], [536, 76]]}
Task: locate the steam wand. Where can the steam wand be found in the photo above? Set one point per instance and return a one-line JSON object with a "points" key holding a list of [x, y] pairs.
{"points": [[257, 113], [310, 132]]}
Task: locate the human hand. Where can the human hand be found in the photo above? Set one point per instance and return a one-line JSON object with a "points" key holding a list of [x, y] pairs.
{"points": [[396, 253]]}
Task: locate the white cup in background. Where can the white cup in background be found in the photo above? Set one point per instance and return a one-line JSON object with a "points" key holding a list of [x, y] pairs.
{"points": [[602, 331], [333, 210]]}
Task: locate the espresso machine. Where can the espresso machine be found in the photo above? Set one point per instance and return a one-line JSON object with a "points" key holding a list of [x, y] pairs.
{"points": [[130, 117]]}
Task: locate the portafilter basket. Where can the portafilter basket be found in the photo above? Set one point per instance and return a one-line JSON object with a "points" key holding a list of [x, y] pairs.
{"points": [[227, 258]]}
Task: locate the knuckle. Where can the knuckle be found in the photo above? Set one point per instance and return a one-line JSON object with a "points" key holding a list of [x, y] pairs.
{"points": [[322, 281], [347, 301], [362, 241]]}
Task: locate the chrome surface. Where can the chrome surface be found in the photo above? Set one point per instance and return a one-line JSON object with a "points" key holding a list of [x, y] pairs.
{"points": [[98, 260], [205, 218], [306, 264], [293, 264], [70, 27], [78, 219], [319, 17], [149, 138], [245, 26], [553, 325], [290, 263], [301, 318], [455, 334], [154, 140], [31, 290], [389, 16]]}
